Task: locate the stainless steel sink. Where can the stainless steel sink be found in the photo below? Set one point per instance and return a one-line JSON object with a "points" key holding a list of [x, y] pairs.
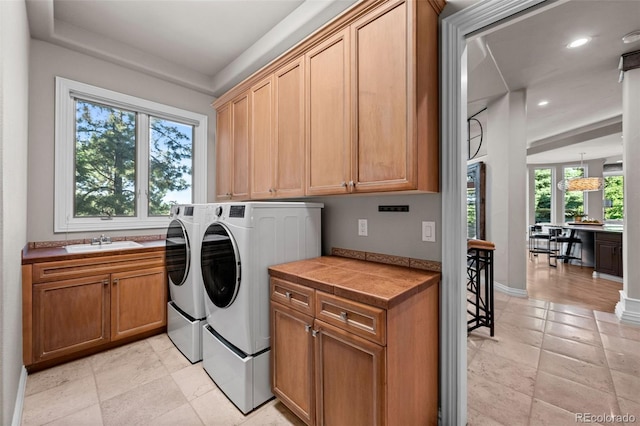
{"points": [[88, 248]]}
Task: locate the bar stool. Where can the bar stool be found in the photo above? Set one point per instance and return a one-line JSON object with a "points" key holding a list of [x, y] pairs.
{"points": [[536, 235], [556, 241]]}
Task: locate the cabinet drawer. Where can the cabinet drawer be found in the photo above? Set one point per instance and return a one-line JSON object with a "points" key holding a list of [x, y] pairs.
{"points": [[363, 320], [293, 295], [77, 268]]}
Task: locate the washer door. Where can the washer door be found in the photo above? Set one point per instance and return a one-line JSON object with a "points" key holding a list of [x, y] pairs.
{"points": [[220, 264], [178, 253]]}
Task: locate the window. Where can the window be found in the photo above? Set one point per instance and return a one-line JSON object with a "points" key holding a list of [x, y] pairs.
{"points": [[614, 198], [542, 195], [121, 161], [573, 200]]}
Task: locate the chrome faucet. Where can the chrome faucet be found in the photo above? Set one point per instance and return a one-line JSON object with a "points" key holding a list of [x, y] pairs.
{"points": [[102, 239]]}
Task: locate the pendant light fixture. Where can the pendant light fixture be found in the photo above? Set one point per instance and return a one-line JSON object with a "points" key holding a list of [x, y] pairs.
{"points": [[581, 183]]}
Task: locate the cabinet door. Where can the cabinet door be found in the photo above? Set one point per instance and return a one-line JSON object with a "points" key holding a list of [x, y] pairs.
{"points": [[292, 361], [223, 153], [70, 316], [384, 149], [350, 378], [608, 254], [138, 302], [289, 135], [262, 146], [240, 108], [328, 115]]}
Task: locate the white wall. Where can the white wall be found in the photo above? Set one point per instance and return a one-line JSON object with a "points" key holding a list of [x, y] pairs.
{"points": [[49, 61], [395, 233], [506, 184], [14, 69]]}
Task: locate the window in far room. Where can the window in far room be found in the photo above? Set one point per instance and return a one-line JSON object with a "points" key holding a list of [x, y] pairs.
{"points": [[613, 197], [573, 200], [123, 161], [543, 195]]}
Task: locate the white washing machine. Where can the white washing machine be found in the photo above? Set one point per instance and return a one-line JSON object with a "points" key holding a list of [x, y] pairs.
{"points": [[240, 241], [186, 310]]}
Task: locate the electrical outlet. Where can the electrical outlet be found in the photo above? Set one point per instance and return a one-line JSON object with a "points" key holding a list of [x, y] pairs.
{"points": [[362, 228], [429, 231]]}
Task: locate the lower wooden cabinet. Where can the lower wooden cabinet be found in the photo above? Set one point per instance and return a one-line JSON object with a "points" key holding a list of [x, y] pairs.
{"points": [[70, 316], [292, 371], [350, 378], [138, 302], [64, 318], [352, 363], [608, 253]]}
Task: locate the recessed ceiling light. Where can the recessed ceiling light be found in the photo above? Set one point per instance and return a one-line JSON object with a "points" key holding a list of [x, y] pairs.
{"points": [[543, 103], [578, 42], [632, 37]]}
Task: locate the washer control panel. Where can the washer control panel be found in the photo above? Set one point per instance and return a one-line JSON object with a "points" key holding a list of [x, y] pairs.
{"points": [[236, 211]]}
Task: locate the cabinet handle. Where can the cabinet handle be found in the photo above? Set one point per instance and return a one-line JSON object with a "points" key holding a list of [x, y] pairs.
{"points": [[343, 316], [270, 190], [105, 282], [343, 184], [352, 184], [287, 295], [307, 327], [314, 333], [115, 281]]}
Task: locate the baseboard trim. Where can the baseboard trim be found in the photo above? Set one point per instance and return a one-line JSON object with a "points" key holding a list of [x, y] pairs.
{"points": [[17, 410], [513, 292], [628, 309], [596, 274]]}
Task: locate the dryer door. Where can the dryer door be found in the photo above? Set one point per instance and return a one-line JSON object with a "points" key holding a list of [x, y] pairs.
{"points": [[220, 264], [178, 253]]}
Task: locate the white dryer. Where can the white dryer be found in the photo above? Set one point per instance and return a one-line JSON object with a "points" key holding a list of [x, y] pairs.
{"points": [[185, 311], [240, 241]]}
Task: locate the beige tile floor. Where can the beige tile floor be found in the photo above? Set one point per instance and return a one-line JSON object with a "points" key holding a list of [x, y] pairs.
{"points": [[144, 383], [549, 362], [545, 363]]}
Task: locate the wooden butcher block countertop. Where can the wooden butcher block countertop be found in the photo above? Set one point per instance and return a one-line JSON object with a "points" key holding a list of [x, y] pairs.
{"points": [[376, 284]]}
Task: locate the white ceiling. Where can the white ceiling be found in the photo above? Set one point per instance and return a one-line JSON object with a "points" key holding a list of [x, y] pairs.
{"points": [[581, 84], [206, 45]]}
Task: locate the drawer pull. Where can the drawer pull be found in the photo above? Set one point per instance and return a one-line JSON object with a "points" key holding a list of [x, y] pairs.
{"points": [[314, 333], [116, 281], [343, 316], [287, 294], [307, 327]]}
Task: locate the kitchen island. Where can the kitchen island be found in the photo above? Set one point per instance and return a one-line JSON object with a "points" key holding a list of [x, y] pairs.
{"points": [[601, 247]]}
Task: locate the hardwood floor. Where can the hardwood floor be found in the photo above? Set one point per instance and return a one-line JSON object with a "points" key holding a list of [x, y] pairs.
{"points": [[570, 284]]}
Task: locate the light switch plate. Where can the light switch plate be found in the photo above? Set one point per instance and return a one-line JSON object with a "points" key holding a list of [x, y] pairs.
{"points": [[429, 232], [363, 230]]}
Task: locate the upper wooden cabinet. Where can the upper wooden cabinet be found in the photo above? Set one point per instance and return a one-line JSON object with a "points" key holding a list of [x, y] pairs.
{"points": [[328, 112], [289, 135], [355, 106], [384, 154], [262, 135], [232, 149], [277, 134]]}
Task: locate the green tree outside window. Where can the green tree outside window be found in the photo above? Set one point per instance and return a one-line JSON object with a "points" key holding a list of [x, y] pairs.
{"points": [[105, 162]]}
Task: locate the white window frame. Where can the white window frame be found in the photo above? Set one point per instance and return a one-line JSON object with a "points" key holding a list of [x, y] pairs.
{"points": [[552, 211], [585, 173], [613, 221], [66, 93]]}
